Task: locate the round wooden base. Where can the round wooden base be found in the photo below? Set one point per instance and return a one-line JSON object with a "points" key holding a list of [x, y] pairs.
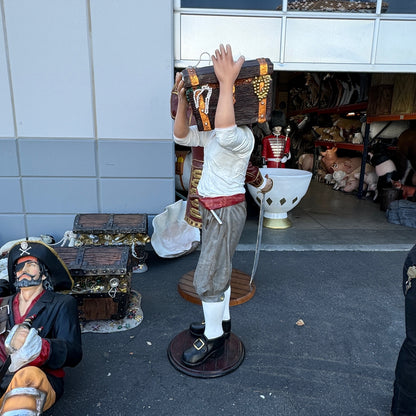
{"points": [[227, 362], [241, 290]]}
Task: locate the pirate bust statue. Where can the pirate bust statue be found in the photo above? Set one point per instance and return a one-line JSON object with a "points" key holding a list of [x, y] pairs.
{"points": [[40, 331]]}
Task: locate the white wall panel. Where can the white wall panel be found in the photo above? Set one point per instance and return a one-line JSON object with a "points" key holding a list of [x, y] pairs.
{"points": [[396, 43], [11, 200], [60, 195], [48, 46], [133, 66], [329, 41], [135, 158], [6, 113], [136, 195], [61, 157], [251, 37], [54, 225], [8, 158], [12, 227]]}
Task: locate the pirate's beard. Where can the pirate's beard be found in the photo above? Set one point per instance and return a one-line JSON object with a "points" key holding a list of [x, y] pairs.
{"points": [[27, 282]]}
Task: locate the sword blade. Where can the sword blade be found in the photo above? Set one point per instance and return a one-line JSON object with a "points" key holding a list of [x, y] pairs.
{"points": [[258, 242]]}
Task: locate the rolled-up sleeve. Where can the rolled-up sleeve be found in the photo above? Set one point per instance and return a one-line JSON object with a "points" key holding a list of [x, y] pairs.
{"points": [[236, 139], [194, 137]]}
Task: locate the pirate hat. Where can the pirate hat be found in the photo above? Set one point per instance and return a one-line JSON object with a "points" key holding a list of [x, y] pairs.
{"points": [[59, 274]]}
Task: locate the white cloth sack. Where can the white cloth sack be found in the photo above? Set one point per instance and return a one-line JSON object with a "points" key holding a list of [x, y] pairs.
{"points": [[172, 235]]}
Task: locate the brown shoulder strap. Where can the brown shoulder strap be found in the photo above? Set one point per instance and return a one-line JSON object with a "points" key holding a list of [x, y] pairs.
{"points": [[4, 313]]}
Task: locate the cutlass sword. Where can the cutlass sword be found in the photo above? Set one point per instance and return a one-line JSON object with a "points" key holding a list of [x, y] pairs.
{"points": [[259, 235]]}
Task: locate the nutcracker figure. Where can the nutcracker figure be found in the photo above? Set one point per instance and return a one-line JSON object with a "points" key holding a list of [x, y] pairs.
{"points": [[276, 148]]}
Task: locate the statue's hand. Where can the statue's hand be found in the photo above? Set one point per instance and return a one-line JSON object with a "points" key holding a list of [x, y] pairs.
{"points": [[19, 337], [268, 186], [180, 89]]}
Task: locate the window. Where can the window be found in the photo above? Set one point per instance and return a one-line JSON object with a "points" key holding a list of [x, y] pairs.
{"points": [[339, 6], [233, 4], [401, 6]]}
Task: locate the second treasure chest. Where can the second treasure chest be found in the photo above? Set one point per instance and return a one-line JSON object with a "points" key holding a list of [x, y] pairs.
{"points": [[102, 279], [115, 229]]}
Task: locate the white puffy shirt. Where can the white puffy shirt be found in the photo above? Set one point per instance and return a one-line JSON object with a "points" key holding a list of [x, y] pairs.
{"points": [[226, 155]]}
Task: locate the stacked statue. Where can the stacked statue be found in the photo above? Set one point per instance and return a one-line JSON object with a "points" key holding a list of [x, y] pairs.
{"points": [[222, 205]]}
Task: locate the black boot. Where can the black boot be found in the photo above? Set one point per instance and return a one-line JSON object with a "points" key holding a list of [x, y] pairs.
{"points": [[197, 329], [202, 349]]}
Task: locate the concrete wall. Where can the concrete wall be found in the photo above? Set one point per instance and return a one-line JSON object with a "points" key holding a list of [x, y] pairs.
{"points": [[84, 111]]}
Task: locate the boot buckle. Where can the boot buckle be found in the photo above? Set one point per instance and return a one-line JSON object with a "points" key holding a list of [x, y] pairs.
{"points": [[199, 344]]}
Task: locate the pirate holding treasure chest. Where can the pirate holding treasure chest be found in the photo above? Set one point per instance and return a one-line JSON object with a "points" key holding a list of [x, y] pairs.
{"points": [[221, 194]]}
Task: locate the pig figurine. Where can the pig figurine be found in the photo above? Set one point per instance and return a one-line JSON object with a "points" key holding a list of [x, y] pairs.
{"points": [[351, 183], [332, 162], [305, 162], [370, 181], [353, 179]]}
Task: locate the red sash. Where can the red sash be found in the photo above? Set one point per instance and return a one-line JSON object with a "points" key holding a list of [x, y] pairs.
{"points": [[221, 201]]}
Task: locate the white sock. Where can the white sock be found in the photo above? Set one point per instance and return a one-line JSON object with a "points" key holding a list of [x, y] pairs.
{"points": [[213, 313], [227, 295]]}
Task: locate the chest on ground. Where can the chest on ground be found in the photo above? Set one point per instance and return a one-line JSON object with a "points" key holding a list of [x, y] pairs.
{"points": [[102, 279], [115, 229]]}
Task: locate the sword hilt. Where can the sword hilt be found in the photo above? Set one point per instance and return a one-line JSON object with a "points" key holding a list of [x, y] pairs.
{"points": [[27, 323]]}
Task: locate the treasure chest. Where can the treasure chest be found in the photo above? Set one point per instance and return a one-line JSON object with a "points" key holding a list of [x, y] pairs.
{"points": [[102, 279], [115, 229], [252, 93]]}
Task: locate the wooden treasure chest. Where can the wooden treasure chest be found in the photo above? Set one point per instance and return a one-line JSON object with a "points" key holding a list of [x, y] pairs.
{"points": [[252, 93], [115, 229], [102, 279]]}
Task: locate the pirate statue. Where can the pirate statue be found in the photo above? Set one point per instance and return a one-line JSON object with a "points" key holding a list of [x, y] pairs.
{"points": [[40, 331], [221, 195], [404, 394]]}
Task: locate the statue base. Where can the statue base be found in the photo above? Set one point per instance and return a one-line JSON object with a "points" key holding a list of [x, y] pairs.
{"points": [[226, 363], [277, 223]]}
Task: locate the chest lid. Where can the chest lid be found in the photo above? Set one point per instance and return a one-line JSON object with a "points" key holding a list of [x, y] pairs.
{"points": [[194, 76], [96, 260], [110, 223]]}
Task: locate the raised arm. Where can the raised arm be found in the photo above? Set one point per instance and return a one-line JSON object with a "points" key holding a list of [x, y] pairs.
{"points": [[226, 71], [181, 125]]}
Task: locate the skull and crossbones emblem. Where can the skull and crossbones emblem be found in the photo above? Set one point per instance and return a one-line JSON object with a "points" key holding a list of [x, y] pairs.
{"points": [[24, 248]]}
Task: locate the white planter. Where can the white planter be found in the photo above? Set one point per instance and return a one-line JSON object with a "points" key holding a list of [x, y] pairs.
{"points": [[289, 187]]}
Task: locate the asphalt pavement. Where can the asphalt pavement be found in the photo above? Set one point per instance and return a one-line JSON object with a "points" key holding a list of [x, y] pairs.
{"points": [[340, 362]]}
